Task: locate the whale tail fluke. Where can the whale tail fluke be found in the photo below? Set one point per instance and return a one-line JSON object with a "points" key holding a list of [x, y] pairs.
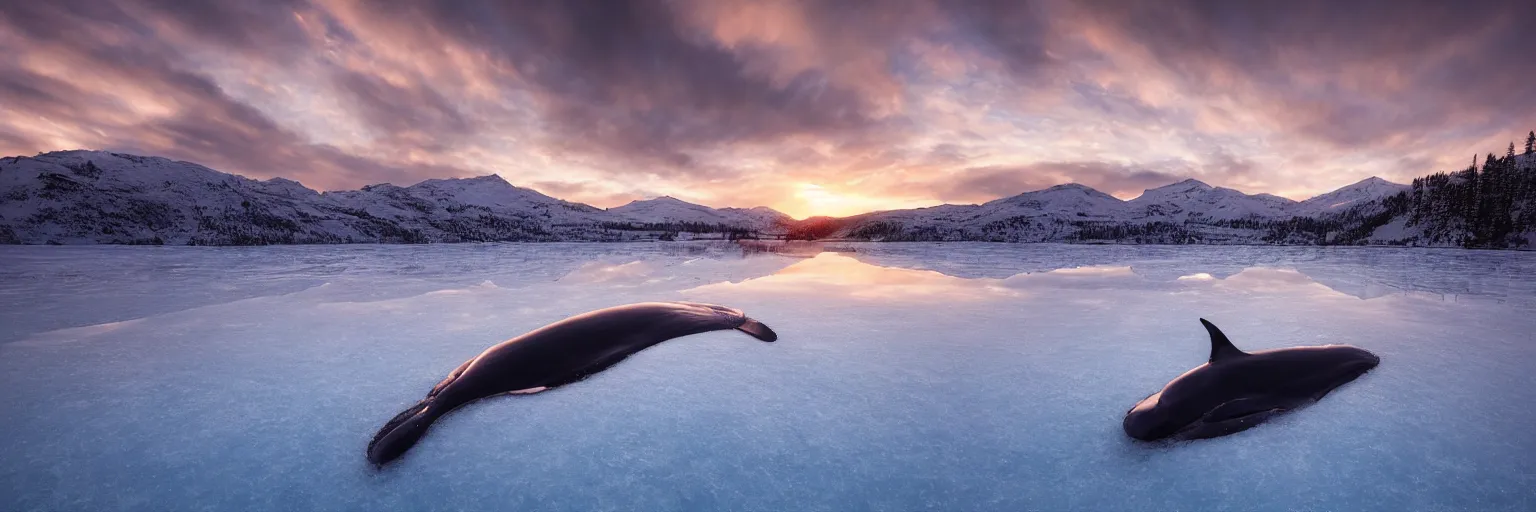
{"points": [[401, 433], [758, 330]]}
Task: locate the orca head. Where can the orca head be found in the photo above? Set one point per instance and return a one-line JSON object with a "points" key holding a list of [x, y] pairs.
{"points": [[1344, 363], [1146, 422], [1351, 355]]}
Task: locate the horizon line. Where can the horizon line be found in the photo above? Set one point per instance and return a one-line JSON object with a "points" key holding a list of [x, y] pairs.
{"points": [[662, 196]]}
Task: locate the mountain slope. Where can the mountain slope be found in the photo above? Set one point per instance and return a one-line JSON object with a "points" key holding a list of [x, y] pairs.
{"points": [[1194, 200], [667, 209], [103, 197], [1074, 212], [86, 197], [1069, 200], [1361, 192]]}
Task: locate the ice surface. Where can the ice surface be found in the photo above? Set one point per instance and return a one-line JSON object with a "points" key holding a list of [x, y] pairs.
{"points": [[907, 376]]}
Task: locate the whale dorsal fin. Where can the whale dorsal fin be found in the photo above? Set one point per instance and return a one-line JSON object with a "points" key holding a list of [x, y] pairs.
{"points": [[1221, 347]]}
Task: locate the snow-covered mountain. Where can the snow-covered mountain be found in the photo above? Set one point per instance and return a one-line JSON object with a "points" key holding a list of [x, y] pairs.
{"points": [[103, 197], [1069, 212], [1194, 200], [1361, 192], [1068, 200], [1494, 207], [667, 209]]}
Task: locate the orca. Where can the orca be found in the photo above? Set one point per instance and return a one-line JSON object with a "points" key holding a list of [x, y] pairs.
{"points": [[555, 355], [1235, 390]]}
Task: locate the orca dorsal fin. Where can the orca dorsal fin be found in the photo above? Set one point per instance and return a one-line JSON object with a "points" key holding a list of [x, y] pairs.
{"points": [[1221, 347]]}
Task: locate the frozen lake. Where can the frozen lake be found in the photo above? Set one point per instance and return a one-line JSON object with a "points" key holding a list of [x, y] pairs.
{"points": [[906, 377]]}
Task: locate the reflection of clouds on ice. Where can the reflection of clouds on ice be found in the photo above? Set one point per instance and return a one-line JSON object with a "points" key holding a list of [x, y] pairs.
{"points": [[673, 274], [1366, 273], [1089, 277], [484, 285], [1277, 281], [1259, 278], [834, 275], [74, 334], [632, 273]]}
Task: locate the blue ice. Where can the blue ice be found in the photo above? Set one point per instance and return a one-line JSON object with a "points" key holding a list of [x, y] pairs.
{"points": [[907, 377]]}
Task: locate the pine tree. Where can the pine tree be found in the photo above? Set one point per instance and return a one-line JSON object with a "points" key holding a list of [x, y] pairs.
{"points": [[1474, 196], [1530, 143], [1511, 154]]}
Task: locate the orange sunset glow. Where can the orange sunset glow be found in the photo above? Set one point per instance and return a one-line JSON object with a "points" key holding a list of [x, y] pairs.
{"points": [[811, 108]]}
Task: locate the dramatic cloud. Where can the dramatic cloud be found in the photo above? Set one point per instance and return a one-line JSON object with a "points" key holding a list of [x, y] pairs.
{"points": [[810, 107]]}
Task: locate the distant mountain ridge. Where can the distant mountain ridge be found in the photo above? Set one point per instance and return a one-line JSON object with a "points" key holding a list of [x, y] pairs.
{"points": [[71, 197], [1494, 207], [667, 209], [1189, 211]]}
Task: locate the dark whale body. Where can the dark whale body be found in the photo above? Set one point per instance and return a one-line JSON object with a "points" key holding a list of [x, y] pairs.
{"points": [[557, 354], [1236, 390]]}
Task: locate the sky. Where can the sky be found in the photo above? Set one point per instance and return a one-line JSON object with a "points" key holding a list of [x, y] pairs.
{"points": [[812, 108]]}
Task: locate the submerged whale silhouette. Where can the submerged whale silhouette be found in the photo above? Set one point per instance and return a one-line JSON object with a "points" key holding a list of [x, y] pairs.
{"points": [[1237, 390], [557, 354]]}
